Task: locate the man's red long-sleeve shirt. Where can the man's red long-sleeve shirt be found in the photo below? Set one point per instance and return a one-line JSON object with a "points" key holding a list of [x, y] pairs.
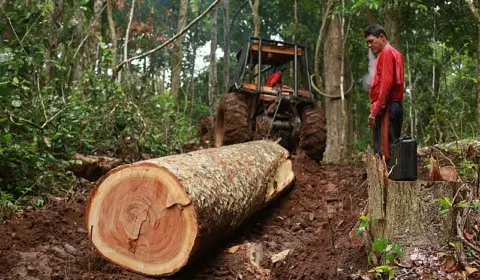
{"points": [[274, 79], [387, 84]]}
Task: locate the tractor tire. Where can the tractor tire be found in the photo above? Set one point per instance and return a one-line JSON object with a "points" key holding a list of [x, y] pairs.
{"points": [[313, 134], [232, 121]]}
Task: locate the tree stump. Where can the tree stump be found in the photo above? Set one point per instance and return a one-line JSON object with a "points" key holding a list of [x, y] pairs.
{"points": [[405, 211], [154, 216]]}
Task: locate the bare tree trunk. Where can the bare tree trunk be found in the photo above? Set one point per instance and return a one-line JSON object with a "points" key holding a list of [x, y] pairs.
{"points": [[226, 46], [473, 5], [338, 111], [177, 49], [78, 38], [392, 23], [113, 34], [478, 75], [256, 18], [212, 79], [371, 17], [95, 33], [192, 69], [127, 38], [321, 34], [51, 50], [294, 34]]}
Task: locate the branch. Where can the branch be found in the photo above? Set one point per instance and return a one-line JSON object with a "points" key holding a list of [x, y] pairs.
{"points": [[473, 10], [14, 32], [120, 66]]}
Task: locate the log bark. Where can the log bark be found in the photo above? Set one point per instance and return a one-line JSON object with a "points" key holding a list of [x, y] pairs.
{"points": [[155, 216], [405, 211]]}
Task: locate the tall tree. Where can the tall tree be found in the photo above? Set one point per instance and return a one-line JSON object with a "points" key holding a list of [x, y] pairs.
{"points": [[95, 33], [177, 49], [226, 46], [338, 110], [113, 33], [192, 66], [392, 22], [256, 18], [212, 79], [474, 6]]}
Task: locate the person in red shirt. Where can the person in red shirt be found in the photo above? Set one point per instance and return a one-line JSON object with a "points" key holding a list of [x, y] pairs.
{"points": [[275, 79], [386, 91]]}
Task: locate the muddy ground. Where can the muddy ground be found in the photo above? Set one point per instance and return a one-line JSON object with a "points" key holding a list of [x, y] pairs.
{"points": [[312, 220]]}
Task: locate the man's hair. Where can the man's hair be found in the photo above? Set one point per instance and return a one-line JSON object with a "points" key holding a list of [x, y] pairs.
{"points": [[374, 30]]}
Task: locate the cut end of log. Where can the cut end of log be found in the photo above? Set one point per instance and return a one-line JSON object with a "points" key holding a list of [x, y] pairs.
{"points": [[143, 220]]}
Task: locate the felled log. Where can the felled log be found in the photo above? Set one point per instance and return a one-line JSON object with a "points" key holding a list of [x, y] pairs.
{"points": [[93, 167], [154, 216], [405, 211]]}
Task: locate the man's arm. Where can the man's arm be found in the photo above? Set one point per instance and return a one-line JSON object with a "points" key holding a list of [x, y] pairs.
{"points": [[386, 83]]}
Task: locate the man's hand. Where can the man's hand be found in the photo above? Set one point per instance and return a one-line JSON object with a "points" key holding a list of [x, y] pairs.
{"points": [[371, 121]]}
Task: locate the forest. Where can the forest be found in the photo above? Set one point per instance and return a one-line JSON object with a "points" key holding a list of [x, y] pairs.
{"points": [[133, 79]]}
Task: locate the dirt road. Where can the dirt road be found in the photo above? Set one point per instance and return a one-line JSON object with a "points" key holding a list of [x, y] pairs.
{"points": [[312, 221]]}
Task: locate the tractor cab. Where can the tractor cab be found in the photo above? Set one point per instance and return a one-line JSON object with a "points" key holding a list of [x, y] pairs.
{"points": [[259, 58]]}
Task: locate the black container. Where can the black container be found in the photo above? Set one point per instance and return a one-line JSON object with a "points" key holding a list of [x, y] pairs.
{"points": [[403, 158]]}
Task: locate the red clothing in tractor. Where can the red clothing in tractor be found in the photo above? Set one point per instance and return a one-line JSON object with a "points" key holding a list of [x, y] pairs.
{"points": [[274, 79], [387, 82]]}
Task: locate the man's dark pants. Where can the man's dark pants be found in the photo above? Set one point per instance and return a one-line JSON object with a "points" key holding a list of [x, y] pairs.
{"points": [[395, 127]]}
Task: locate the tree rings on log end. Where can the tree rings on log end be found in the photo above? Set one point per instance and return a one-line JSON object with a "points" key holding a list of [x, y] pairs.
{"points": [[143, 220]]}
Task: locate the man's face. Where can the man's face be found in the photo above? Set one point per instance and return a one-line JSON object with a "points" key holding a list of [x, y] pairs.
{"points": [[376, 44]]}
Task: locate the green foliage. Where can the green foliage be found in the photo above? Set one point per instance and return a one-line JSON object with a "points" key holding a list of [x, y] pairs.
{"points": [[382, 251], [47, 116], [362, 227], [446, 205]]}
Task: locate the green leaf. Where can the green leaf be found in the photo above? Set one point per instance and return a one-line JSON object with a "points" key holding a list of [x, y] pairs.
{"points": [[7, 138], [390, 258], [398, 250], [391, 274], [380, 244], [16, 103], [462, 203], [15, 81]]}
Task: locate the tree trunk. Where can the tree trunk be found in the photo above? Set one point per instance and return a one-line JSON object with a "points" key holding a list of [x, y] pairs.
{"points": [[478, 75], [78, 38], [212, 77], [405, 211], [294, 37], [192, 69], [177, 49], [256, 18], [392, 24], [339, 120], [95, 33], [321, 34], [154, 216], [371, 17], [226, 46], [51, 49], [473, 5], [113, 34]]}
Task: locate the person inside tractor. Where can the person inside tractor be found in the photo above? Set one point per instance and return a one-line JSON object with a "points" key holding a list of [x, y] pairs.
{"points": [[275, 79]]}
